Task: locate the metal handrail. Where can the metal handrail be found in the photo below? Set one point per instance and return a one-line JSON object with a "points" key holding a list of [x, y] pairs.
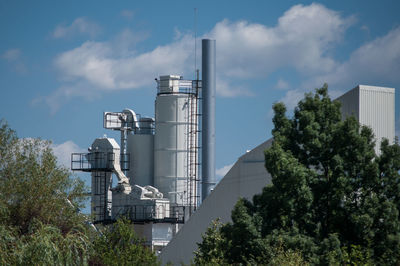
{"points": [[97, 161], [184, 87]]}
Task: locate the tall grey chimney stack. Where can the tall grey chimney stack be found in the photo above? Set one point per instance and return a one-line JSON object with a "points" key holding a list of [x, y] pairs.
{"points": [[208, 119]]}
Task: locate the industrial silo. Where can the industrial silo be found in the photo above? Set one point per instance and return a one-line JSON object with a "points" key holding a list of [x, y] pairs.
{"points": [[175, 142], [141, 150]]}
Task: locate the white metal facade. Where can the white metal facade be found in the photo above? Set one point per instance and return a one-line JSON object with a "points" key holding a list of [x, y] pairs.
{"points": [[374, 107], [171, 147]]}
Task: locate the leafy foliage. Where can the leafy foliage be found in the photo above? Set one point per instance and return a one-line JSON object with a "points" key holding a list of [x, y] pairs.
{"points": [[210, 251], [119, 245], [39, 222], [34, 187], [332, 199]]}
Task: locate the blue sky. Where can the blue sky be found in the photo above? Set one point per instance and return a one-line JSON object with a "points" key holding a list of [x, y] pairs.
{"points": [[62, 64]]}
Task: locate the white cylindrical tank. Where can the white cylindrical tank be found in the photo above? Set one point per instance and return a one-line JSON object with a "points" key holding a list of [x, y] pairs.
{"points": [[171, 140], [140, 148]]}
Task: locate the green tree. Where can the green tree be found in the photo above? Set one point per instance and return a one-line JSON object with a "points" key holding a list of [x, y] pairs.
{"points": [[332, 198], [39, 222], [119, 245], [211, 250]]}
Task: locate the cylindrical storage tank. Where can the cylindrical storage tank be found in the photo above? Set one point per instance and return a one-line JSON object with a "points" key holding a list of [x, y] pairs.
{"points": [[170, 142], [141, 150]]}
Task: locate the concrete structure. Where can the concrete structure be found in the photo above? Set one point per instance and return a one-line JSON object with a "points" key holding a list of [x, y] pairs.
{"points": [[374, 107], [246, 178]]}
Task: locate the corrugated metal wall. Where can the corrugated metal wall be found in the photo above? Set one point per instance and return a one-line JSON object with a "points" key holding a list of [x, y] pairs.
{"points": [[374, 107], [377, 111]]}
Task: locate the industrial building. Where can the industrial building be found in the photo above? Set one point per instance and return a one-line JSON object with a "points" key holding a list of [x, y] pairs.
{"points": [[372, 106], [157, 163], [165, 165]]}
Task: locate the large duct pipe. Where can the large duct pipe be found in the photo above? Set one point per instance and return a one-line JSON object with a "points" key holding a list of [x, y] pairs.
{"points": [[208, 119]]}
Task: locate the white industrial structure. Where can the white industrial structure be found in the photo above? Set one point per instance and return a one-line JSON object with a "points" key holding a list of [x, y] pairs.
{"points": [[372, 106], [156, 167], [158, 162], [175, 143]]}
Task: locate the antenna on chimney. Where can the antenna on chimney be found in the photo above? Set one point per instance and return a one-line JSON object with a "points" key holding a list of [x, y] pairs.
{"points": [[195, 45]]}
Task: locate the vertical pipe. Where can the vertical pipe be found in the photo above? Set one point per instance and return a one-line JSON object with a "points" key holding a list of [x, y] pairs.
{"points": [[208, 118]]}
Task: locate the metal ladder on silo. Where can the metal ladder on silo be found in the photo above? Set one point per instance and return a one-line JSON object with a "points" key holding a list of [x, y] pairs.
{"points": [[192, 151]]}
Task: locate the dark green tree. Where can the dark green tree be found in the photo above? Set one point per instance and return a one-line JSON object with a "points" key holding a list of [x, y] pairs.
{"points": [[119, 245], [332, 198]]}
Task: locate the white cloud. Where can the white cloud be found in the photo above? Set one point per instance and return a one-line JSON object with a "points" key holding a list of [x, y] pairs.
{"points": [[90, 61], [97, 67], [63, 152], [11, 54], [124, 43], [376, 62], [13, 57], [373, 63], [221, 172], [302, 39], [226, 89], [99, 64], [282, 84], [64, 93], [109, 66], [291, 98], [80, 26]]}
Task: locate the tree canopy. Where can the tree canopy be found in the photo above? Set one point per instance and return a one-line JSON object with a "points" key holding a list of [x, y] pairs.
{"points": [[119, 245], [40, 223], [332, 199], [39, 200]]}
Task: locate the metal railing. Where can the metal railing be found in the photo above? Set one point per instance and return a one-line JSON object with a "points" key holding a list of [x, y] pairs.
{"points": [[112, 121], [153, 213], [98, 161], [185, 87]]}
